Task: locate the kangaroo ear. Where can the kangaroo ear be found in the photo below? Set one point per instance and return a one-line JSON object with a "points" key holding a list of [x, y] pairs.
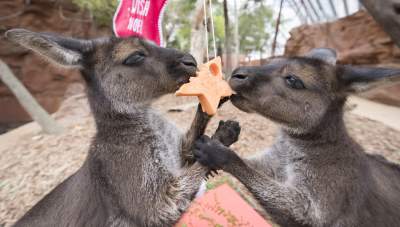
{"points": [[357, 79], [324, 54], [66, 52]]}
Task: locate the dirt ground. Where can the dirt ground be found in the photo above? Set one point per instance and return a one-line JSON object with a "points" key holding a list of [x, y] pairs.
{"points": [[32, 163]]}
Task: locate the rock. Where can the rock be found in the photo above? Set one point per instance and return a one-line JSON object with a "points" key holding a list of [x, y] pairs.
{"points": [[358, 40], [46, 82]]}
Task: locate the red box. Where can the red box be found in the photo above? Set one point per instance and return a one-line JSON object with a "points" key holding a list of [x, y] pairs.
{"points": [[221, 207]]}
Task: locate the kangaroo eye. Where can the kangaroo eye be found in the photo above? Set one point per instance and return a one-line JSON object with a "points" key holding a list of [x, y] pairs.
{"points": [[134, 59], [294, 82]]}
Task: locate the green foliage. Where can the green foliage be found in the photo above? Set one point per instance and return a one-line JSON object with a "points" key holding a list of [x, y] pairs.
{"points": [[253, 25], [102, 10], [177, 23], [219, 25], [255, 20]]}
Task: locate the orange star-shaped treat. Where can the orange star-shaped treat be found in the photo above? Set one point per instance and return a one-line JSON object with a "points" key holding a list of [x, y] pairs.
{"points": [[209, 86]]}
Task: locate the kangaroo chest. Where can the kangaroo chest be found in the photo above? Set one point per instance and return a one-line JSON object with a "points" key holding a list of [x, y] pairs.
{"points": [[291, 167], [168, 139]]}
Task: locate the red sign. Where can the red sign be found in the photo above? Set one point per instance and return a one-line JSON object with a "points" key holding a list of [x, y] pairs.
{"points": [[140, 17]]}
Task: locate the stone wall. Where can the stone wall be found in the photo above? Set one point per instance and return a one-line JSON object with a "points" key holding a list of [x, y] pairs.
{"points": [[359, 40], [46, 82]]}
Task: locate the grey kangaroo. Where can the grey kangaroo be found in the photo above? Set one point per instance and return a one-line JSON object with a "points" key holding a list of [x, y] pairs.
{"points": [[140, 169], [315, 174]]}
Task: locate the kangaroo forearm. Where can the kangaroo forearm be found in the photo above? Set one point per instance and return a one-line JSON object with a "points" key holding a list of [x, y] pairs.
{"points": [[277, 199], [189, 183], [196, 129], [260, 165], [179, 195]]}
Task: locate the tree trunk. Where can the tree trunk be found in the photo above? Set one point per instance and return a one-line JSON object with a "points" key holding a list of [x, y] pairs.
{"points": [[228, 50], [387, 14], [197, 38], [236, 36], [278, 21], [48, 124]]}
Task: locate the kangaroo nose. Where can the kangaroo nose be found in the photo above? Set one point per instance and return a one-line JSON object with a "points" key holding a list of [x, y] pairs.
{"points": [[188, 60], [239, 78]]}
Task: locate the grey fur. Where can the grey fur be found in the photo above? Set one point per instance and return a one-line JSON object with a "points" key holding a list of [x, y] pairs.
{"points": [[139, 170], [315, 174]]}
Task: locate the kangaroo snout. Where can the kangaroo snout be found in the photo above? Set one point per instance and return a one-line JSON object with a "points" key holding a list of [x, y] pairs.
{"points": [[188, 64], [188, 61], [239, 77]]}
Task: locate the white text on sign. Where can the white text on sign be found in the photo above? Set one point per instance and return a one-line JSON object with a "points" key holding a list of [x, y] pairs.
{"points": [[139, 8], [135, 25]]}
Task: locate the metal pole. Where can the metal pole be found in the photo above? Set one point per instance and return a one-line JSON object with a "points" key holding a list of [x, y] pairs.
{"points": [[297, 9], [333, 8], [307, 12], [322, 10], [314, 10], [346, 7]]}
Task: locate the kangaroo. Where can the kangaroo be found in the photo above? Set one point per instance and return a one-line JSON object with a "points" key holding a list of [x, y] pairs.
{"points": [[140, 169], [314, 174]]}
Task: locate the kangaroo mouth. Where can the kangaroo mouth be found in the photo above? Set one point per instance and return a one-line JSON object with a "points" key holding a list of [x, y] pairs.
{"points": [[236, 97], [183, 81], [185, 78], [241, 102]]}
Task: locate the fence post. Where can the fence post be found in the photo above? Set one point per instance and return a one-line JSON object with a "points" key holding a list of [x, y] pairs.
{"points": [[48, 124]]}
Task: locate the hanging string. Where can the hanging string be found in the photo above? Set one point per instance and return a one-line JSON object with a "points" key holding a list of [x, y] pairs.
{"points": [[206, 28], [212, 27]]}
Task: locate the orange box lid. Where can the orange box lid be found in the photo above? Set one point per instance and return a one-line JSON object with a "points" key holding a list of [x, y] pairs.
{"points": [[221, 207]]}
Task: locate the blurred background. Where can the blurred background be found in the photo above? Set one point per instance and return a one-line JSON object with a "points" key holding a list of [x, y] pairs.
{"points": [[248, 32]]}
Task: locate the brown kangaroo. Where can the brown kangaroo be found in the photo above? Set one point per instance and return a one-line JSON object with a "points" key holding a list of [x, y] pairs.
{"points": [[315, 174], [140, 169]]}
